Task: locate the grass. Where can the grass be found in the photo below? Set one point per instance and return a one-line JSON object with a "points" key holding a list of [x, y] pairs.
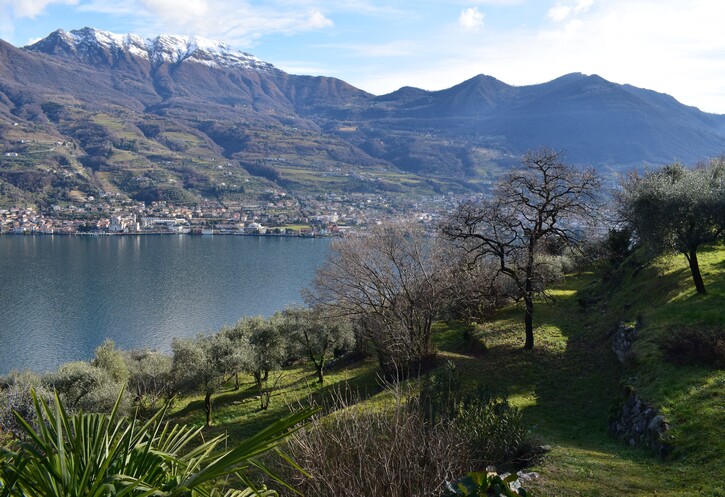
{"points": [[569, 384], [237, 412]]}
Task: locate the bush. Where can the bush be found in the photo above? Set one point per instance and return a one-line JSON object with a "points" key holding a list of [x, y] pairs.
{"points": [[698, 346], [15, 396], [391, 450], [493, 430], [413, 444]]}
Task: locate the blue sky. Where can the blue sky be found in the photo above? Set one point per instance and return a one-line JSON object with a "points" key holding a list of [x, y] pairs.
{"points": [[672, 46]]}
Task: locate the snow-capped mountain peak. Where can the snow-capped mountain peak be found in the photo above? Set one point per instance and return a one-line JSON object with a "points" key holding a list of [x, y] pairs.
{"points": [[162, 48]]}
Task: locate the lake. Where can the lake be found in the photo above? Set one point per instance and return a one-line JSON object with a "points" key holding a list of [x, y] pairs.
{"points": [[61, 296]]}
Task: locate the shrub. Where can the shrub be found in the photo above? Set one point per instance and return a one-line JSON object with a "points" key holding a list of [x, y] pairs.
{"points": [[484, 484], [15, 396], [698, 346], [493, 430], [109, 455], [391, 450], [413, 444]]}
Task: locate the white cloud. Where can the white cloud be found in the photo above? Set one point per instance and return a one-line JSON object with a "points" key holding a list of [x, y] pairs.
{"points": [[318, 20], [562, 10], [471, 18], [181, 13], [669, 46], [31, 8]]}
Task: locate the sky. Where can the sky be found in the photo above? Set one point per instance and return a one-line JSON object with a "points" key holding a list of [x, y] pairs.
{"points": [[671, 46]]}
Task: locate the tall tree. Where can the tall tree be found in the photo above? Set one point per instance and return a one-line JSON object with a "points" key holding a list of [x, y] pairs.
{"points": [[544, 200], [678, 209], [395, 282]]}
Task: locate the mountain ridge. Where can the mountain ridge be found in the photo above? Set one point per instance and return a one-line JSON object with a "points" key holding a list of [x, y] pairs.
{"points": [[177, 99]]}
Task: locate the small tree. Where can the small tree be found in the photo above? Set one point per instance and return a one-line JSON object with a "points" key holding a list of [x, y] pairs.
{"points": [[677, 209], [199, 365], [16, 399], [317, 336], [81, 385], [264, 350], [542, 201], [111, 360], [150, 377]]}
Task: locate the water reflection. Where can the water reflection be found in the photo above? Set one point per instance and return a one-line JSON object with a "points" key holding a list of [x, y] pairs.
{"points": [[61, 296]]}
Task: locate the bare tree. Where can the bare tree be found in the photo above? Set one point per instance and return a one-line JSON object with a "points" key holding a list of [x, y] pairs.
{"points": [[542, 201], [677, 209], [392, 279]]}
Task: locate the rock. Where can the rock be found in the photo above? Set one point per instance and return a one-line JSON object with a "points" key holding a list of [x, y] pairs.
{"points": [[624, 336], [657, 424], [527, 476], [640, 424]]}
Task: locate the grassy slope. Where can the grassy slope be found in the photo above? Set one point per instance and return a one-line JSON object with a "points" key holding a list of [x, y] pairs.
{"points": [[570, 383], [568, 386]]}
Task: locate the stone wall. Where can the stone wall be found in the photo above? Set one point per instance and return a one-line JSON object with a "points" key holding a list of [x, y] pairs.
{"points": [[641, 425], [624, 335]]}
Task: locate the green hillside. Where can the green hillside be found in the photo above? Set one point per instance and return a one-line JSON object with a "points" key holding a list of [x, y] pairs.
{"points": [[571, 383], [568, 388]]}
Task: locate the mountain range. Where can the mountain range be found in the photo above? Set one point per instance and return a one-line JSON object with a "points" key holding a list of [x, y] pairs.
{"points": [[182, 118]]}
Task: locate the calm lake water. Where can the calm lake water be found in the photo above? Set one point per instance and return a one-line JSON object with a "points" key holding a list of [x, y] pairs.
{"points": [[61, 296]]}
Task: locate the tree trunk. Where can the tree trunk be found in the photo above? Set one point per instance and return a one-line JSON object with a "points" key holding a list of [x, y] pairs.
{"points": [[207, 405], [319, 368], [695, 270], [529, 302], [529, 323]]}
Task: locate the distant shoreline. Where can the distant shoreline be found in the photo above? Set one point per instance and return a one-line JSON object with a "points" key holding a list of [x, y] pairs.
{"points": [[103, 234]]}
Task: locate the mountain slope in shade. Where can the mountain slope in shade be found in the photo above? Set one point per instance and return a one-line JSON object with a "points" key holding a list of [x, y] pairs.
{"points": [[178, 105]]}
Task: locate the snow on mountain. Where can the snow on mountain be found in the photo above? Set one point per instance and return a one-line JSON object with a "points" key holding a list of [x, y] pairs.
{"points": [[163, 48]]}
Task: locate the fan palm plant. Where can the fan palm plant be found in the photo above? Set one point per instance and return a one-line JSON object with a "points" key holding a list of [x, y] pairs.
{"points": [[107, 455]]}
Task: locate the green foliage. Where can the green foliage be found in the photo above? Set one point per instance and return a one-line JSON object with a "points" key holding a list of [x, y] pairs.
{"points": [[493, 430], [106, 455], [82, 385], [112, 360], [478, 484], [678, 209], [263, 348], [313, 335], [15, 397], [199, 365], [150, 379]]}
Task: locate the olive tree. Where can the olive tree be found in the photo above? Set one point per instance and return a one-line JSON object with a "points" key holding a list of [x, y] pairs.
{"points": [[199, 365], [394, 281], [111, 360], [317, 335], [541, 201], [150, 378], [16, 399], [677, 209], [264, 349], [82, 385]]}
